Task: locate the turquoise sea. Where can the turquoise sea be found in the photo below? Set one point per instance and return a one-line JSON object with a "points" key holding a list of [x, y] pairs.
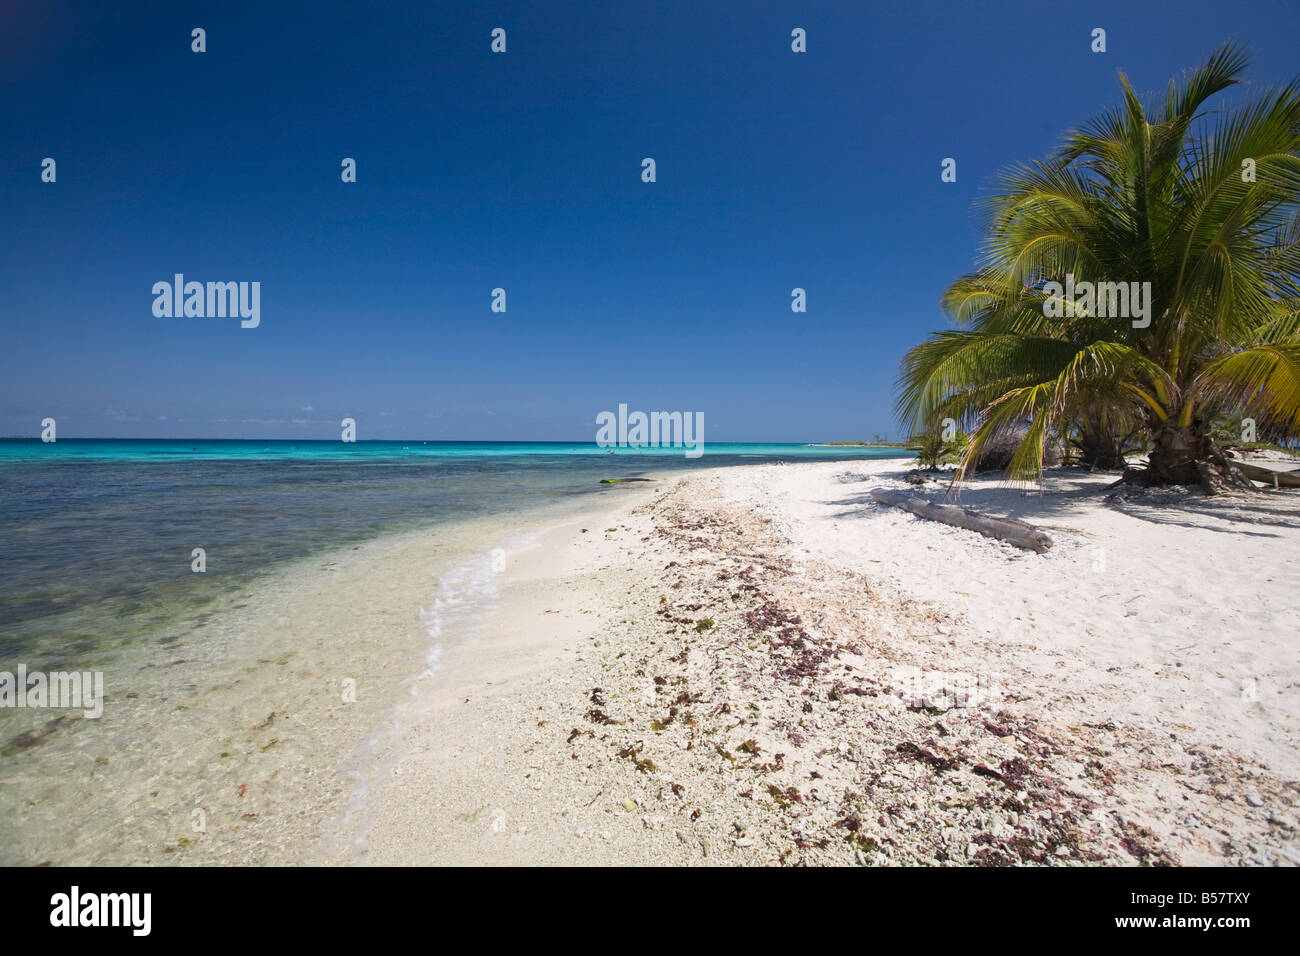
{"points": [[225, 734], [96, 535]]}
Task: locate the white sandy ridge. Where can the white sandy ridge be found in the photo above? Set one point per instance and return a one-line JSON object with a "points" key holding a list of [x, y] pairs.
{"points": [[761, 664]]}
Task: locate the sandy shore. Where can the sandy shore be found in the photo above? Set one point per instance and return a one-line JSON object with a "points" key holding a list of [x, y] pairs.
{"points": [[761, 665]]}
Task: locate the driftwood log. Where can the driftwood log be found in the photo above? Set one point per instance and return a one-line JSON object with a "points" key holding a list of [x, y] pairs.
{"points": [[1278, 479], [1019, 533]]}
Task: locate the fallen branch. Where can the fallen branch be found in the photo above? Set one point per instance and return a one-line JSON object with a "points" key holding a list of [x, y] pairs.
{"points": [[1278, 479], [1004, 529]]}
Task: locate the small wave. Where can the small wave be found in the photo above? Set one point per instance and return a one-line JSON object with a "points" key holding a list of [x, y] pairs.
{"points": [[464, 596]]}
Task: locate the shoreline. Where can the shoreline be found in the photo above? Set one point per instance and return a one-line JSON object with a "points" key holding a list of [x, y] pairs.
{"points": [[734, 670], [742, 664], [226, 736]]}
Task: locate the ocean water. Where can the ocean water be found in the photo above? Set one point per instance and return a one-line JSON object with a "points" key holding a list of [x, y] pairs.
{"points": [[97, 536], [223, 687]]}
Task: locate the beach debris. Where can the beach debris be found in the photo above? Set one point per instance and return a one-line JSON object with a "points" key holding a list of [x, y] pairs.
{"points": [[800, 660], [1268, 476], [1014, 532], [632, 752], [940, 764]]}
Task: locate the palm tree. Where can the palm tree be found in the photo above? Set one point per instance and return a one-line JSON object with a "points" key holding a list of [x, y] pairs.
{"points": [[1204, 207]]}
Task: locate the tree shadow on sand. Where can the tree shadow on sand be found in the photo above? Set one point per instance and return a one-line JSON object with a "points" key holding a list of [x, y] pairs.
{"points": [[1069, 495]]}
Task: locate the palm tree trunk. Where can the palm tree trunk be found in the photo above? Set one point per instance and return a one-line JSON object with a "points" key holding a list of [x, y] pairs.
{"points": [[1184, 455], [1177, 454], [1098, 444]]}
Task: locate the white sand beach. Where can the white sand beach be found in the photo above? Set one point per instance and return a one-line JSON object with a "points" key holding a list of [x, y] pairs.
{"points": [[762, 665]]}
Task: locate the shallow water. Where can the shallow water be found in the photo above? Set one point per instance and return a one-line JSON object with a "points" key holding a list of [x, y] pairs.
{"points": [[97, 536], [227, 731]]}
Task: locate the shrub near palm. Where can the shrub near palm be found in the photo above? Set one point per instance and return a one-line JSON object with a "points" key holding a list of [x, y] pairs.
{"points": [[934, 451], [1195, 210]]}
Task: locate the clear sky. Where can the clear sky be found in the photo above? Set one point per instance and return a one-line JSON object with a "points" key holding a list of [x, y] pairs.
{"points": [[522, 170]]}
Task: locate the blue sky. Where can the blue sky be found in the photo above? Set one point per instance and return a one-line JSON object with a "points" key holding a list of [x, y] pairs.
{"points": [[775, 170]]}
